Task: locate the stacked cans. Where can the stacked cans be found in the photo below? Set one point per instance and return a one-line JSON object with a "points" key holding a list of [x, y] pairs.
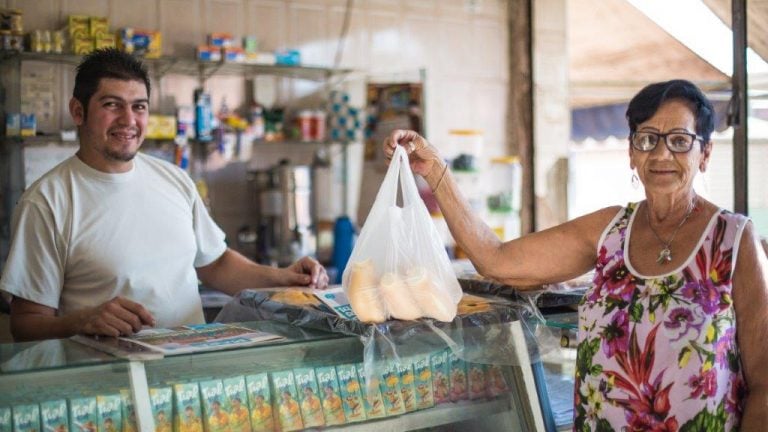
{"points": [[345, 122]]}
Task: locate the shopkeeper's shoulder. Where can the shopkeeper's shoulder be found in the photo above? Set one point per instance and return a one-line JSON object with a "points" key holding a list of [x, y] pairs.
{"points": [[149, 165], [52, 183]]}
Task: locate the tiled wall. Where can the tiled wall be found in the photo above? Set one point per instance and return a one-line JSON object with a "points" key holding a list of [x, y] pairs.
{"points": [[461, 45]]}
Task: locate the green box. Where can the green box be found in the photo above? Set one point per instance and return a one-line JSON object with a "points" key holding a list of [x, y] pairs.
{"points": [[83, 413], [407, 389], [495, 381], [6, 420], [129, 411], [26, 417], [476, 380], [371, 393], [309, 397], [349, 387], [188, 413], [286, 401], [53, 416], [391, 391], [260, 401], [441, 386], [333, 408], [161, 401], [215, 405], [239, 415], [458, 378], [422, 382], [110, 409]]}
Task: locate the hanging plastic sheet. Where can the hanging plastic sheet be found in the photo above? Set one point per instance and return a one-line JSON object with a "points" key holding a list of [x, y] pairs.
{"points": [[488, 329]]}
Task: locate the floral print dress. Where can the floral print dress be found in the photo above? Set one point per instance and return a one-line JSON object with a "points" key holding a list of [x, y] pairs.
{"points": [[659, 353]]}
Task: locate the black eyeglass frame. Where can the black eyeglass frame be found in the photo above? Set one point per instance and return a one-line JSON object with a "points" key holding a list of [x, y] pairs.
{"points": [[664, 136]]}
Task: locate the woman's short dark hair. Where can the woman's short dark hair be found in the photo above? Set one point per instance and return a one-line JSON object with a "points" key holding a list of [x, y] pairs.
{"points": [[646, 102], [106, 63]]}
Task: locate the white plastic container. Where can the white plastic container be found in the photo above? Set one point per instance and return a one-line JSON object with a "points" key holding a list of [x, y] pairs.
{"points": [[465, 141], [503, 202]]}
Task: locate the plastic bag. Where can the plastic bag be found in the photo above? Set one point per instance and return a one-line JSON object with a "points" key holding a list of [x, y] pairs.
{"points": [[399, 267]]}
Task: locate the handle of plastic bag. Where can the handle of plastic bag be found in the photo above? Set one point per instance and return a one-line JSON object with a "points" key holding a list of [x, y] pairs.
{"points": [[401, 167]]}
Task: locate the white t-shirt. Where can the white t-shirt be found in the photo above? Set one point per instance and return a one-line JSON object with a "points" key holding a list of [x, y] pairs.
{"points": [[80, 237]]}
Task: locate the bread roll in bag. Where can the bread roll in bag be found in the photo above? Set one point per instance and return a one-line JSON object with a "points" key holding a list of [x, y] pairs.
{"points": [[363, 293], [433, 302], [397, 297]]}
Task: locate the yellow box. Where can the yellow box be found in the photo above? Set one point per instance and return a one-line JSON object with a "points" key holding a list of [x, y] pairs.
{"points": [[155, 48], [78, 26], [98, 26], [82, 45], [104, 41], [161, 127]]}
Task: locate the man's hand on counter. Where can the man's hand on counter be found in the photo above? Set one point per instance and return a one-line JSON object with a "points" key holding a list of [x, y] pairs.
{"points": [[308, 272], [117, 317], [34, 321]]}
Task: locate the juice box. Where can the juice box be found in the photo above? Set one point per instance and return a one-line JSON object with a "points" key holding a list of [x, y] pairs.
{"points": [[476, 380], [496, 383], [309, 397], [26, 417], [187, 415], [110, 409], [440, 376], [6, 422], [260, 401], [422, 382], [286, 404], [215, 405], [239, 415], [53, 416], [371, 392], [458, 378], [407, 389], [333, 408], [161, 401], [129, 411], [83, 414], [349, 389], [390, 390]]}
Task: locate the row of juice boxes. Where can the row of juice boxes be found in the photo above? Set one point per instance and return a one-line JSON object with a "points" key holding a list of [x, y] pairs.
{"points": [[289, 400]]}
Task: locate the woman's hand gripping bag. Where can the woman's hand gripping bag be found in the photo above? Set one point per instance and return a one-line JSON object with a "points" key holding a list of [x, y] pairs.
{"points": [[399, 267]]}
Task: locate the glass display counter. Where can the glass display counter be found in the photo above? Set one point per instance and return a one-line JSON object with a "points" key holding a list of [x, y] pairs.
{"points": [[63, 373]]}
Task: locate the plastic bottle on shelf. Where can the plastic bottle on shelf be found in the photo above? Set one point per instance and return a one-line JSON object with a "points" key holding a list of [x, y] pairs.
{"points": [[223, 110], [256, 120]]}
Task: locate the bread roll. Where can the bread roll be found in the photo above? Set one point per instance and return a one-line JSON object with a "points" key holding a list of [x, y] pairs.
{"points": [[433, 302], [363, 293], [397, 297], [295, 297]]}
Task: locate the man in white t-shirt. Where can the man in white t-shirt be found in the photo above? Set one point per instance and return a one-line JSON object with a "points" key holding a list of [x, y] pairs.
{"points": [[112, 240]]}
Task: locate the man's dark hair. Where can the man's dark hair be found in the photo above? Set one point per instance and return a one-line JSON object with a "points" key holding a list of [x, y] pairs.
{"points": [[106, 63], [645, 104]]}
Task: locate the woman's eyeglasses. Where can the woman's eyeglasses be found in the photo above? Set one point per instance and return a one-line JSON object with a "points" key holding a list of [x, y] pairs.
{"points": [[676, 142]]}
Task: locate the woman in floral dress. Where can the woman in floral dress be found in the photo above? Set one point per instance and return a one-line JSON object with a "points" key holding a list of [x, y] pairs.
{"points": [[671, 333]]}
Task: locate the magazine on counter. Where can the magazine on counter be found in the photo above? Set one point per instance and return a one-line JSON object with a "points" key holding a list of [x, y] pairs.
{"points": [[154, 343]]}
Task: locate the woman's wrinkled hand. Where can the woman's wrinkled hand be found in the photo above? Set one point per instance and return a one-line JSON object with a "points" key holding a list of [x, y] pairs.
{"points": [[423, 156]]}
